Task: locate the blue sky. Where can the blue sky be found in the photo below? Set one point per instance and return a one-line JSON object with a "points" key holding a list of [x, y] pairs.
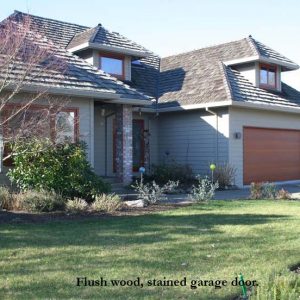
{"points": [[173, 26]]}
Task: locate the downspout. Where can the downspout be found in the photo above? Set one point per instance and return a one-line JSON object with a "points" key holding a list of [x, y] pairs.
{"points": [[217, 133]]}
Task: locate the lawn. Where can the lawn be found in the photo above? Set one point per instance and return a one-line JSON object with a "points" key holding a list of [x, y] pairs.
{"points": [[214, 241]]}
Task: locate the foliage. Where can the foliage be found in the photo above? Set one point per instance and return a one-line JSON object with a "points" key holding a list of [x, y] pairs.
{"points": [[256, 190], [283, 194], [152, 193], [107, 203], [60, 167], [204, 191], [5, 197], [280, 286], [171, 171], [224, 175], [40, 201], [76, 205], [267, 190]]}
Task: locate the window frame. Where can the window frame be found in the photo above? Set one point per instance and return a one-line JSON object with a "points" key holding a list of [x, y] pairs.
{"points": [[75, 110], [52, 125], [268, 68], [34, 107], [115, 56]]}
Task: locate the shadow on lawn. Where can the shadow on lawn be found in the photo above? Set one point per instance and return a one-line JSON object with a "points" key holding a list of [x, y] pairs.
{"points": [[140, 230]]}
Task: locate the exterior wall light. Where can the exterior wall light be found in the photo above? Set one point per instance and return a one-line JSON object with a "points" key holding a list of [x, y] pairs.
{"points": [[237, 135]]}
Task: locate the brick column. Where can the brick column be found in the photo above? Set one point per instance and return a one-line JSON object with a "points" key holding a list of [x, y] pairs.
{"points": [[124, 143]]}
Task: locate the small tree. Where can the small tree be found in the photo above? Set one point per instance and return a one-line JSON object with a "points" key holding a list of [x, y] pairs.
{"points": [[26, 59]]}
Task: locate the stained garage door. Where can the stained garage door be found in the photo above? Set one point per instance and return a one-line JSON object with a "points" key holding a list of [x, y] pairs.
{"points": [[271, 154]]}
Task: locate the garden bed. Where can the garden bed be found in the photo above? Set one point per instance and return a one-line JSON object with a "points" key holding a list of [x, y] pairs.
{"points": [[27, 217]]}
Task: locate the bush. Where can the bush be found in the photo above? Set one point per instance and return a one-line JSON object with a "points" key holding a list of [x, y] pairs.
{"points": [[263, 190], [283, 195], [224, 175], [41, 165], [106, 203], [204, 191], [152, 193], [40, 201], [76, 205], [172, 171], [5, 198], [269, 190]]}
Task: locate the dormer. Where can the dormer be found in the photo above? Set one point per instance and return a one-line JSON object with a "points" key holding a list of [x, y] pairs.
{"points": [[108, 51], [263, 69]]}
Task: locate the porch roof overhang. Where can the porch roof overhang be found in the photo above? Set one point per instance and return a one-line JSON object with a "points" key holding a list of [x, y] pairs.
{"points": [[96, 95]]}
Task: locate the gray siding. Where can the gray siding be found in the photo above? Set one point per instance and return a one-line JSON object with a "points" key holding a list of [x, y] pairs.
{"points": [[191, 137]]}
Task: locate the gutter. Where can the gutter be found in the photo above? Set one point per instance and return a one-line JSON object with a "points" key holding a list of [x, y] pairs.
{"points": [[187, 107], [263, 59], [109, 97], [116, 49], [268, 107]]}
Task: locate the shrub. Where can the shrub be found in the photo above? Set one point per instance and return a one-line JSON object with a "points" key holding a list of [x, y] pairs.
{"points": [[171, 171], [263, 190], [76, 205], [283, 195], [5, 198], [256, 190], [224, 175], [204, 191], [106, 203], [269, 190], [42, 165], [40, 201], [152, 193]]}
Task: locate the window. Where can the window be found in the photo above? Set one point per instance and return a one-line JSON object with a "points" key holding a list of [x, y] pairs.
{"points": [[112, 65], [267, 76], [39, 121], [65, 127]]}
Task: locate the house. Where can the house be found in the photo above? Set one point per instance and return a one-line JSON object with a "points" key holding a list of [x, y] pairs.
{"points": [[221, 104]]}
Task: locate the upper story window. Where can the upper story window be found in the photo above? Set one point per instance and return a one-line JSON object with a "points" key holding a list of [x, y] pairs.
{"points": [[113, 65], [267, 76]]}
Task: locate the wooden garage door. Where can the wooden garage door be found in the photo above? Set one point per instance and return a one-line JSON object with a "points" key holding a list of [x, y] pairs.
{"points": [[271, 155]]}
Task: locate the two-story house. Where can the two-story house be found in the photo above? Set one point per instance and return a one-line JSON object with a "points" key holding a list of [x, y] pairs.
{"points": [[222, 104]]}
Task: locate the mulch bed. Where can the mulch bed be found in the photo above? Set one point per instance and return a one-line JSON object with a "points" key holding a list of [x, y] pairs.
{"points": [[13, 217]]}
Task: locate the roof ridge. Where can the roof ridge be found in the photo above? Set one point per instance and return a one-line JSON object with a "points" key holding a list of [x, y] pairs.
{"points": [[48, 19], [250, 40], [203, 48], [226, 80], [95, 32]]}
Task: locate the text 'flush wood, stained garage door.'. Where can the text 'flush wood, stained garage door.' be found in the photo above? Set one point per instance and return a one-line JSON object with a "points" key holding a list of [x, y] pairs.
{"points": [[271, 155]]}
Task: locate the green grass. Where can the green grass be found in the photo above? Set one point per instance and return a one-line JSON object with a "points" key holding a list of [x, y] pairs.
{"points": [[214, 241]]}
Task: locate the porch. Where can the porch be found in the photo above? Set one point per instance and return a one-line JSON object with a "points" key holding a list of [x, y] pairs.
{"points": [[124, 140]]}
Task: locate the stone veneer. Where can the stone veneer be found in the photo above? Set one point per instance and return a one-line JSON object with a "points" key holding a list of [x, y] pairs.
{"points": [[124, 143]]}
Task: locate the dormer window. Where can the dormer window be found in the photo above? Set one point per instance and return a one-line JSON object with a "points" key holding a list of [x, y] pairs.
{"points": [[113, 65], [267, 76]]}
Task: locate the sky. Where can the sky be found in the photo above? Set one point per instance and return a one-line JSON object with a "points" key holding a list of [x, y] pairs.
{"points": [[169, 27]]}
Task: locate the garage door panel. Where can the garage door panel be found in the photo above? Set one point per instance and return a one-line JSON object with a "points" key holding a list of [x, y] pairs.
{"points": [[271, 155]]}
